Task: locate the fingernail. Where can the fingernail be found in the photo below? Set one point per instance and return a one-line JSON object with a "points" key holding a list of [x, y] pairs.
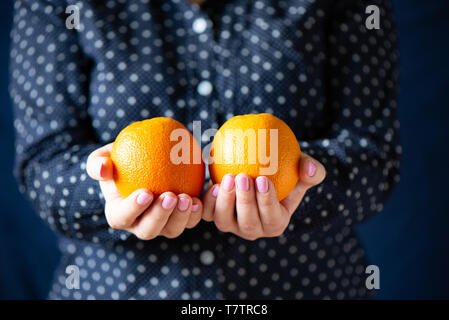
{"points": [[144, 198], [242, 183], [262, 184], [183, 204], [101, 171], [195, 207], [311, 169], [228, 182], [215, 191], [168, 202]]}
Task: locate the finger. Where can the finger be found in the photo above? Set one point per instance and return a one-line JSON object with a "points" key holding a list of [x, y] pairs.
{"points": [[209, 200], [273, 216], [122, 213], [195, 214], [104, 151], [311, 173], [179, 217], [153, 220], [248, 218], [99, 165], [110, 191], [224, 214]]}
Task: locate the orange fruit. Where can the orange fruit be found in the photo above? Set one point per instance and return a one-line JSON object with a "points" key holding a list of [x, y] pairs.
{"points": [[145, 157], [258, 145]]}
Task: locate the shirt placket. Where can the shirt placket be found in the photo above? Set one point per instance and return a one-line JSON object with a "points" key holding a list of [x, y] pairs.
{"points": [[201, 68]]}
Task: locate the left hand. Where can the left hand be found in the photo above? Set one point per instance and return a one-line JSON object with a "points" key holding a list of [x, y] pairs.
{"points": [[250, 208]]}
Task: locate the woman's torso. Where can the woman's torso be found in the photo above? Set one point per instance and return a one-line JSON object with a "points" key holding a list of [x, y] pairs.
{"points": [[164, 58]]}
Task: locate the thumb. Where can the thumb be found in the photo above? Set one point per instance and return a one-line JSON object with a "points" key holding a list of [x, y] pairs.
{"points": [[99, 165], [311, 173]]}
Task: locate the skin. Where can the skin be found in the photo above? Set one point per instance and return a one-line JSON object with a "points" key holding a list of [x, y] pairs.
{"points": [[145, 220], [250, 214]]}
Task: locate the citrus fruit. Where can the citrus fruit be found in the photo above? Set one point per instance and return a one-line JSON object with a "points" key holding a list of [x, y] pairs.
{"points": [[159, 155], [258, 145]]}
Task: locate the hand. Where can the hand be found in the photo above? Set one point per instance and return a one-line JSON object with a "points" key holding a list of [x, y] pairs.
{"points": [[167, 215], [250, 209]]}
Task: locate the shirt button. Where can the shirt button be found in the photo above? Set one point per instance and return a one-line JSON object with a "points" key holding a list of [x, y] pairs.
{"points": [[207, 257], [204, 88], [199, 25]]}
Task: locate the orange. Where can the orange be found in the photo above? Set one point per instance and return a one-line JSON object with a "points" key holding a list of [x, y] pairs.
{"points": [[258, 145], [145, 157]]}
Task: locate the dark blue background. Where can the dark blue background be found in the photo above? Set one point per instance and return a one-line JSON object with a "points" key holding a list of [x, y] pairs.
{"points": [[409, 240]]}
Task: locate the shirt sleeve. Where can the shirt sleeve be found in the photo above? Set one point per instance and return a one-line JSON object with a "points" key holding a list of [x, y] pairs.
{"points": [[54, 133], [361, 150]]}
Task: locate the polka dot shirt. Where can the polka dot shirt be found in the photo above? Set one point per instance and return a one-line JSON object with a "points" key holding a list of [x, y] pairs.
{"points": [[313, 63]]}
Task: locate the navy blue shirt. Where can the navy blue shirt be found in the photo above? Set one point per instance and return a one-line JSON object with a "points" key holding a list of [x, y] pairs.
{"points": [[312, 63]]}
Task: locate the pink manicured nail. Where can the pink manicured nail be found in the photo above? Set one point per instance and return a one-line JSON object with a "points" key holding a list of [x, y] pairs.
{"points": [[228, 182], [242, 183], [144, 198], [183, 204], [215, 191], [262, 184], [101, 171], [311, 169], [195, 207], [168, 202]]}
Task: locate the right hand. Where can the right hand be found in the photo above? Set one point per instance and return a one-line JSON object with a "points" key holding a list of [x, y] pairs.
{"points": [[167, 215]]}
